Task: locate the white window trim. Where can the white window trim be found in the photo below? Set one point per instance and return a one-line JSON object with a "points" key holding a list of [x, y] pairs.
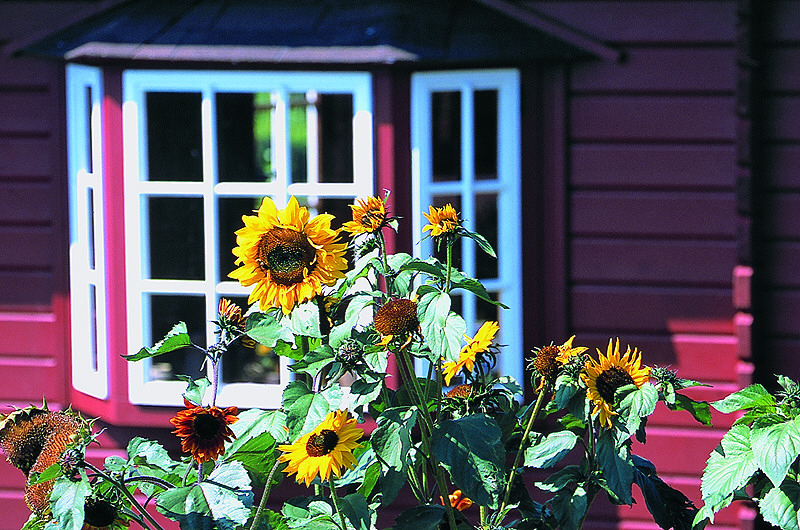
{"points": [[85, 132], [506, 82], [135, 84]]}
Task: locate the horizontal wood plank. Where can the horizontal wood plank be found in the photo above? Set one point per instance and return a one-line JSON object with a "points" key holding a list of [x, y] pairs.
{"points": [[24, 158], [670, 214], [24, 290], [28, 203], [698, 263], [782, 259], [780, 318], [31, 379], [691, 167], [781, 163], [652, 118], [779, 12], [782, 118], [782, 215], [28, 111], [27, 247]]}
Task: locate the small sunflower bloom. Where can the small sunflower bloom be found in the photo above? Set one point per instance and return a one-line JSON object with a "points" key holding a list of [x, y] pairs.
{"points": [[442, 221], [204, 430], [549, 360], [369, 217], [466, 358], [609, 373], [396, 318], [287, 255], [230, 314], [324, 451], [458, 500]]}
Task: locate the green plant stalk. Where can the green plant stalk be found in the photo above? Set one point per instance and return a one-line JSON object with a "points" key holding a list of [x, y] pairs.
{"points": [[152, 480], [523, 442], [335, 499], [124, 491], [264, 496]]}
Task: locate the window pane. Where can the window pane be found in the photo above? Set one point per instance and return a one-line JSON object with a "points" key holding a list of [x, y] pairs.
{"points": [[335, 137], [93, 326], [244, 137], [486, 134], [298, 136], [174, 136], [485, 311], [176, 238], [446, 135], [230, 213], [89, 143], [243, 364], [165, 312], [485, 224], [90, 236]]}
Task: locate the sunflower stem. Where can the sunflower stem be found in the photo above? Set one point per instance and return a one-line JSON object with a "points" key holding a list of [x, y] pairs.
{"points": [[264, 496], [386, 277], [128, 495], [335, 499], [522, 443]]}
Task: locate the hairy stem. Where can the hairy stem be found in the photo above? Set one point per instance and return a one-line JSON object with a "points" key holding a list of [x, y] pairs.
{"points": [[128, 495], [335, 499], [264, 496]]}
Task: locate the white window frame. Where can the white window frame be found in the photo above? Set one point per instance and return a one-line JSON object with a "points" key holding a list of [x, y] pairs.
{"points": [[507, 187], [87, 237], [136, 83]]}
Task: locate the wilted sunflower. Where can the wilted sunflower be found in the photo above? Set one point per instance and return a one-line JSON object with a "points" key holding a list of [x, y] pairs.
{"points": [[100, 514], [287, 256], [33, 439], [442, 220], [369, 216], [204, 430], [396, 318], [466, 358], [325, 450], [609, 373], [549, 360]]}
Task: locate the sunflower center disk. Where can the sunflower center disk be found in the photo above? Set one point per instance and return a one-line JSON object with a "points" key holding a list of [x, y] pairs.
{"points": [[397, 317], [287, 254], [372, 219], [206, 426], [610, 380], [546, 361], [322, 443]]}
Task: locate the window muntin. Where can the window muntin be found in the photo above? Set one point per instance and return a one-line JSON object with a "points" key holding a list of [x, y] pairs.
{"points": [[466, 151], [243, 136], [87, 250]]}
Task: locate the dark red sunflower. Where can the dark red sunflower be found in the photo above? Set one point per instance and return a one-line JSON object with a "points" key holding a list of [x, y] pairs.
{"points": [[204, 430]]}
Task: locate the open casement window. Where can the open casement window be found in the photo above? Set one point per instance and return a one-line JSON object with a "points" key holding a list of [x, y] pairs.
{"points": [[87, 252], [466, 151], [201, 149]]}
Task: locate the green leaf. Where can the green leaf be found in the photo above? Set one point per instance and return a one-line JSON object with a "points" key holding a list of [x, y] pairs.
{"points": [[356, 510], [52, 472], [669, 507], [304, 409], [365, 390], [617, 466], [256, 434], [177, 338], [441, 328], [751, 397], [221, 502], [271, 521], [420, 518], [549, 450], [730, 465], [267, 330], [391, 439], [67, 501], [775, 448], [472, 452], [562, 478], [314, 361], [195, 389], [141, 451], [569, 507], [700, 410], [431, 267], [480, 240], [460, 281], [34, 522], [780, 506]]}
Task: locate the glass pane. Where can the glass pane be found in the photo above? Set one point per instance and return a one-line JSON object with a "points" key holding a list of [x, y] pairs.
{"points": [[230, 213], [298, 136], [90, 239], [176, 238], [485, 311], [438, 202], [93, 326], [243, 364], [90, 143], [335, 113], [165, 312], [485, 224], [486, 134], [244, 136], [174, 136], [446, 135]]}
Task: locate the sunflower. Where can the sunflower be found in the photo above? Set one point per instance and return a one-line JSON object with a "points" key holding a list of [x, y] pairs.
{"points": [[230, 315], [458, 500], [100, 514], [466, 358], [325, 450], [442, 220], [204, 430], [609, 373], [396, 318], [287, 256], [549, 360], [369, 217]]}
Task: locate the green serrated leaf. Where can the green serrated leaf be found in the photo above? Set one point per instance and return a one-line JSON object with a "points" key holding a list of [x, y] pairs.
{"points": [[420, 518], [781, 506], [775, 448], [730, 465], [547, 451], [481, 241], [569, 507], [700, 410], [267, 330], [472, 452], [50, 473], [617, 466], [314, 361], [67, 502], [751, 397], [441, 328], [304, 409], [196, 388], [391, 439], [177, 338]]}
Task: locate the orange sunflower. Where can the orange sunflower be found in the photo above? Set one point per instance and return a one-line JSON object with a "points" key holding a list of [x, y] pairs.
{"points": [[466, 358], [287, 255], [204, 430], [609, 373], [369, 216], [442, 221]]}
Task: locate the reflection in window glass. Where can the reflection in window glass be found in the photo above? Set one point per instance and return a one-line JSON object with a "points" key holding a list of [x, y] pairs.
{"points": [[335, 137], [446, 136], [298, 136], [485, 224], [90, 236], [484, 311], [248, 361], [176, 238], [165, 312], [486, 134], [174, 136], [244, 122]]}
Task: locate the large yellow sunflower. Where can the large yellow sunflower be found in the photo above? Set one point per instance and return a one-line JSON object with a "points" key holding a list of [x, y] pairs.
{"points": [[609, 373], [287, 256], [442, 220], [369, 216], [466, 358], [325, 450]]}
